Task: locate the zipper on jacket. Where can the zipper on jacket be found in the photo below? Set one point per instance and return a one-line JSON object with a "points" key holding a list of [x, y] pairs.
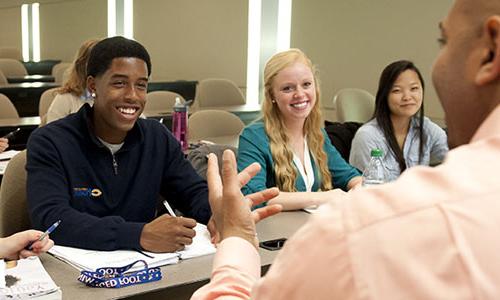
{"points": [[115, 164]]}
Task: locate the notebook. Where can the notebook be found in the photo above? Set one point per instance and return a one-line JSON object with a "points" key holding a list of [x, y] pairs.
{"points": [[26, 279], [90, 260]]}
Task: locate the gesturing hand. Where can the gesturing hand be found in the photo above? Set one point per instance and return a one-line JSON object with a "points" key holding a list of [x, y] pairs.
{"points": [[167, 234], [13, 247], [231, 211]]}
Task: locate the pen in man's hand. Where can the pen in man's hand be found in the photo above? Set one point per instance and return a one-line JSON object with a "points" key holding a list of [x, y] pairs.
{"points": [[47, 232], [169, 209], [11, 134]]}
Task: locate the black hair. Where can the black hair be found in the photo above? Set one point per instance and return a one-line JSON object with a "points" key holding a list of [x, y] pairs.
{"points": [[383, 113], [108, 49]]}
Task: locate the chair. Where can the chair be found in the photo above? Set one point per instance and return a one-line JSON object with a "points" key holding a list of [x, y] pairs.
{"points": [[218, 126], [7, 109], [13, 207], [354, 105], [10, 52], [45, 101], [218, 92], [3, 79], [60, 72], [11, 67], [161, 101]]}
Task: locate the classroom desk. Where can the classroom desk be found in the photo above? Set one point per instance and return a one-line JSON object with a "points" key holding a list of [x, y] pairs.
{"points": [[31, 78], [27, 125], [26, 96], [246, 112], [163, 116], [185, 88], [180, 280]]}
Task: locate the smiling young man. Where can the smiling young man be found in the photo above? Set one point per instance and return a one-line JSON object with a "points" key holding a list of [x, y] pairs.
{"points": [[101, 170]]}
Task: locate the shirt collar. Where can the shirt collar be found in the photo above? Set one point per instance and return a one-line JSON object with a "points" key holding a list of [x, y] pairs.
{"points": [[490, 126], [134, 137]]}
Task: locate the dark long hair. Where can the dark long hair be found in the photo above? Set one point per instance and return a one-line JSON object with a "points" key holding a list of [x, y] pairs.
{"points": [[383, 113]]}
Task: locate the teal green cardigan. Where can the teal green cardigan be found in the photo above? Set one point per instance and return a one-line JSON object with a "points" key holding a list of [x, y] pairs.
{"points": [[254, 147]]}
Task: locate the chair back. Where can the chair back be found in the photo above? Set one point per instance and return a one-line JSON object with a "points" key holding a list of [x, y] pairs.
{"points": [[3, 79], [218, 92], [218, 126], [45, 101], [161, 101], [10, 52], [60, 72], [354, 105], [14, 215], [7, 108], [11, 67]]}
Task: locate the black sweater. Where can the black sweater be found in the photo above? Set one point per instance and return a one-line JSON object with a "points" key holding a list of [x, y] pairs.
{"points": [[104, 200]]}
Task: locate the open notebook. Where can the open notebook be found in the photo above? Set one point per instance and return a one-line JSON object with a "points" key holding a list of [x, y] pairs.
{"points": [[91, 260]]}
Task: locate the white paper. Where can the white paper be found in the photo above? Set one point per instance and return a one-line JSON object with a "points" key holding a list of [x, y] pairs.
{"points": [[91, 260], [28, 279], [201, 244], [8, 154], [2, 273], [3, 166]]}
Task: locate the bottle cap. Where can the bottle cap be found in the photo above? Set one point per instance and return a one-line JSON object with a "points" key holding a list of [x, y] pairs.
{"points": [[376, 153]]}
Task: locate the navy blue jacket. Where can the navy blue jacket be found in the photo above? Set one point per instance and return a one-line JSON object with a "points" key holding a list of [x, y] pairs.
{"points": [[72, 177]]}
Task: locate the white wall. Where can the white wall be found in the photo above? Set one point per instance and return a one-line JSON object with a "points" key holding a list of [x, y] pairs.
{"points": [[192, 39], [351, 41], [65, 25], [10, 27]]}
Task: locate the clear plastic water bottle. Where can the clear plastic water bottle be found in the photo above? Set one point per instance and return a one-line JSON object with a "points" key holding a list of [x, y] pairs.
{"points": [[179, 123], [375, 173]]}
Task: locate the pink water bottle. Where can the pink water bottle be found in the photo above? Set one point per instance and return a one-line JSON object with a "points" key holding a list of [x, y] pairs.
{"points": [[179, 123]]}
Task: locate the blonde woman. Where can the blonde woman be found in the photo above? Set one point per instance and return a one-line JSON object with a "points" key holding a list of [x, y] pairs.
{"points": [[73, 94], [289, 143]]}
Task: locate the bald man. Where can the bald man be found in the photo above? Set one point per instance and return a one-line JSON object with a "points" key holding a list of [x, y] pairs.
{"points": [[432, 234]]}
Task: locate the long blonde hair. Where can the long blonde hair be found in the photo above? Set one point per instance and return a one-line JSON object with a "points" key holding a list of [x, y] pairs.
{"points": [[77, 80], [284, 170]]}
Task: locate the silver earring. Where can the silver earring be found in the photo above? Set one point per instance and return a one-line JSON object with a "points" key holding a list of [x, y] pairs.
{"points": [[273, 101], [93, 95]]}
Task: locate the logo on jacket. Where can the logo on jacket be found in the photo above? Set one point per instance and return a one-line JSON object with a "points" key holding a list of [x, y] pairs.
{"points": [[86, 192]]}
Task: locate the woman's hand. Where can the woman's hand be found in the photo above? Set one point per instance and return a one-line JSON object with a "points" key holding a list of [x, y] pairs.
{"points": [[13, 247]]}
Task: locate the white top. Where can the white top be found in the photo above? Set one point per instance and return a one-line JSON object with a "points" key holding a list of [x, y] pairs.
{"points": [[112, 147], [306, 170]]}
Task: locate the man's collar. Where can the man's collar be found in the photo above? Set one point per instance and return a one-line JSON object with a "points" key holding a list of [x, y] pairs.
{"points": [[490, 126], [134, 136]]}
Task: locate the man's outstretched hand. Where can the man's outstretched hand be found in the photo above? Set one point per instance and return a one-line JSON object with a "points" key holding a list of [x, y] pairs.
{"points": [[231, 211]]}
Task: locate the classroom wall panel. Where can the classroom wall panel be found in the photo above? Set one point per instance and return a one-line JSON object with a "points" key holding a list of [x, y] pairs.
{"points": [[351, 41], [10, 27], [192, 39], [66, 25]]}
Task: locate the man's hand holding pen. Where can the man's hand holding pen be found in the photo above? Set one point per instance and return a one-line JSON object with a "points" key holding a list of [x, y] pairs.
{"points": [[167, 234]]}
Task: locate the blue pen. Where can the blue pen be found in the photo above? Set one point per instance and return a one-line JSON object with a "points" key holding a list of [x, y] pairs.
{"points": [[47, 232]]}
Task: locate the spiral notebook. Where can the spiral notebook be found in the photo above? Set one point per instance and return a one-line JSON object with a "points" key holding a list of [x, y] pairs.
{"points": [[91, 260]]}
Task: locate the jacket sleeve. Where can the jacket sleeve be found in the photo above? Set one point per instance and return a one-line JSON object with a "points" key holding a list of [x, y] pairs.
{"points": [[438, 143], [187, 190], [341, 171], [250, 150], [49, 196]]}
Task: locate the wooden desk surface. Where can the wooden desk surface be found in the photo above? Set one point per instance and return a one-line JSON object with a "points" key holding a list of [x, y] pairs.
{"points": [[31, 78], [235, 108], [187, 275], [20, 122], [28, 85]]}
